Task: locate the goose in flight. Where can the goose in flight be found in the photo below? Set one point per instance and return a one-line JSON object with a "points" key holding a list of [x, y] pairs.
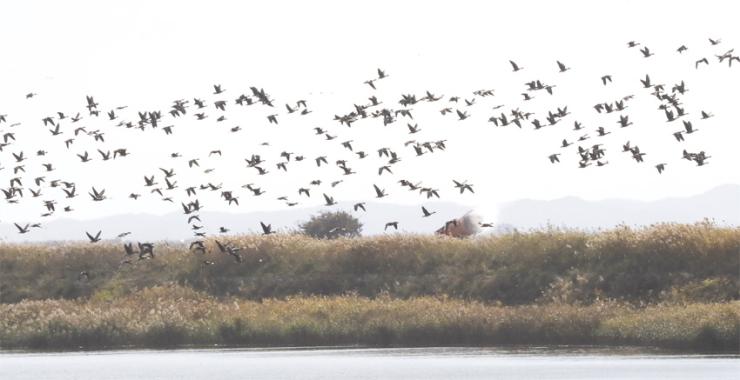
{"points": [[646, 82], [380, 193], [689, 127], [646, 52], [514, 66], [624, 121], [463, 186], [426, 212], [562, 67], [97, 195], [329, 200], [94, 239], [231, 250], [266, 229], [22, 230]]}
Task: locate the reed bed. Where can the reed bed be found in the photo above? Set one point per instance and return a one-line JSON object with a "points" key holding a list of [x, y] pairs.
{"points": [[175, 316], [660, 263], [668, 285]]}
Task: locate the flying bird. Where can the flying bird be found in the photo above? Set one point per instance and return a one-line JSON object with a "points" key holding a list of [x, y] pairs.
{"points": [[95, 238], [514, 66], [426, 213], [562, 67], [266, 228]]}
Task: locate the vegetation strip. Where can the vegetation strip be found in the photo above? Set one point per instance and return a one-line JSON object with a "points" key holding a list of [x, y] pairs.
{"points": [[668, 285], [171, 316]]}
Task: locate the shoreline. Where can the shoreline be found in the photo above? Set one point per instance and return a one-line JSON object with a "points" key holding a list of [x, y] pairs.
{"points": [[530, 350]]}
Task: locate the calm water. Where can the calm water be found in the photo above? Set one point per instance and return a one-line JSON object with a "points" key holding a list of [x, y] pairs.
{"points": [[422, 363]]}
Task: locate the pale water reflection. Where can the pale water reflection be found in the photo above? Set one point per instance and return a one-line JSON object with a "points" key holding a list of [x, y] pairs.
{"points": [[413, 363]]}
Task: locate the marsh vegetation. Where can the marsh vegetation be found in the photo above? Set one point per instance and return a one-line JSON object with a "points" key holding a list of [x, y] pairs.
{"points": [[666, 285]]}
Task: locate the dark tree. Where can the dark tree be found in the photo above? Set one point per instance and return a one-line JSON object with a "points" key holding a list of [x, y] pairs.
{"points": [[331, 225]]}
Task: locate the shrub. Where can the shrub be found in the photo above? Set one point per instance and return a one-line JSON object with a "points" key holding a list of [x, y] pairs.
{"points": [[332, 225]]}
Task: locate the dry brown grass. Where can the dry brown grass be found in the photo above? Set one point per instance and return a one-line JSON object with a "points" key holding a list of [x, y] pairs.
{"points": [[176, 316], [670, 285], [668, 262]]}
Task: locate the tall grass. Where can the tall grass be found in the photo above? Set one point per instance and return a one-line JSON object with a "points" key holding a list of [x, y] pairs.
{"points": [[666, 262], [176, 316]]}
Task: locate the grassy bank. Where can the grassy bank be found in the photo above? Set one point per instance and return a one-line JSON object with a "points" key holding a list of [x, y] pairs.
{"points": [[662, 263], [667, 285], [174, 316]]}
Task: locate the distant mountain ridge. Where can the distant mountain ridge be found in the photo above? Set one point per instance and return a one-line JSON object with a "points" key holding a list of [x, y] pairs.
{"points": [[721, 204]]}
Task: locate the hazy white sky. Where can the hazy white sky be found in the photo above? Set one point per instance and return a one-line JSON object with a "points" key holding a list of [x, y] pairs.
{"points": [[146, 54]]}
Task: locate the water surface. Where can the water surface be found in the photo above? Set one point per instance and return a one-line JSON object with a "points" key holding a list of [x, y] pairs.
{"points": [[407, 363]]}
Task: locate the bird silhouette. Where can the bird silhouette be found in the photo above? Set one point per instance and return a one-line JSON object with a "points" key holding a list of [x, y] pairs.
{"points": [[426, 213], [266, 228], [463, 186], [94, 238], [379, 193], [562, 67], [22, 229], [514, 66]]}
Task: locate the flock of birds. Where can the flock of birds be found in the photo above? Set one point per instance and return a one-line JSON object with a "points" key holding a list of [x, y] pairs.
{"points": [[70, 130]]}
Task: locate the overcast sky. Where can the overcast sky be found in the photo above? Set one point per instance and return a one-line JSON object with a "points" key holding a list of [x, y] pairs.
{"points": [[144, 55]]}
